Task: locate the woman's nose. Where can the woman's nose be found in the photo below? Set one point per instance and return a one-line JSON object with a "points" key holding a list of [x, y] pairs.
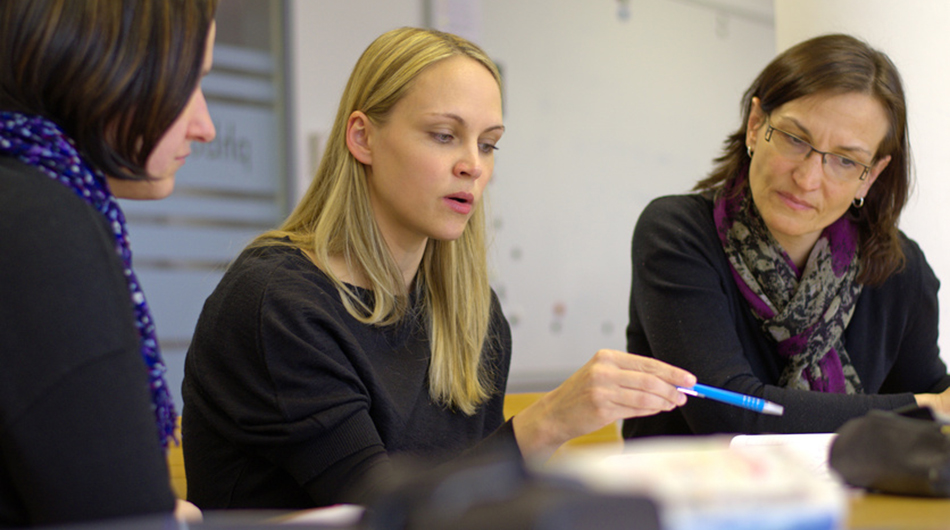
{"points": [[201, 127], [469, 165]]}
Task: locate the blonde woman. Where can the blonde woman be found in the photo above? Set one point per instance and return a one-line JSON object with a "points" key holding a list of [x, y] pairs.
{"points": [[365, 325]]}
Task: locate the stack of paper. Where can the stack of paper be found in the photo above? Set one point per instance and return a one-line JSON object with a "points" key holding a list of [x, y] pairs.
{"points": [[811, 449], [706, 483]]}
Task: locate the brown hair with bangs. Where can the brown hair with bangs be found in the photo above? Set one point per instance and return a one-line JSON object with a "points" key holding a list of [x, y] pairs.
{"points": [[114, 74], [838, 64]]}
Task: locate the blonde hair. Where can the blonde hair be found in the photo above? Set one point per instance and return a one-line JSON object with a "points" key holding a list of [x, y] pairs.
{"points": [[335, 218]]}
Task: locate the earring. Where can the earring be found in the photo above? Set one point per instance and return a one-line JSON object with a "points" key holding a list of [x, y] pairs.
{"points": [[858, 202], [748, 149]]}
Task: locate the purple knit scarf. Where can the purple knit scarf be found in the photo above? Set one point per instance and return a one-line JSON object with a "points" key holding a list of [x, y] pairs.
{"points": [[806, 312], [40, 143]]}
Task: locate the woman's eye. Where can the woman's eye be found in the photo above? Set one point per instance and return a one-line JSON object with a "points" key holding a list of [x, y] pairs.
{"points": [[442, 137], [794, 140], [488, 148], [846, 162]]}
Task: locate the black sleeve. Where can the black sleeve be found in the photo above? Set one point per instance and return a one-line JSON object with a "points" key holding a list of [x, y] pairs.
{"points": [[283, 390], [356, 478], [322, 432], [78, 439], [685, 311], [917, 365]]}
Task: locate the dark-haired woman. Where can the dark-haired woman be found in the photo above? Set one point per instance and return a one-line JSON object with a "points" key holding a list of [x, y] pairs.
{"points": [[98, 101], [785, 276]]}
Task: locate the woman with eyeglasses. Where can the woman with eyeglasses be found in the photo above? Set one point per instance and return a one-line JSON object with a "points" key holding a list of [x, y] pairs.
{"points": [[785, 276]]}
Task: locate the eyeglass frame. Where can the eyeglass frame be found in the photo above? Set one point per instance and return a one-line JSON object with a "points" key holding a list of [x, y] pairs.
{"points": [[768, 138]]}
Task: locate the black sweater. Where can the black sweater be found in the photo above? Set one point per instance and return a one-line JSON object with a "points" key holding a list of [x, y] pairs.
{"points": [[290, 402], [78, 439], [685, 309]]}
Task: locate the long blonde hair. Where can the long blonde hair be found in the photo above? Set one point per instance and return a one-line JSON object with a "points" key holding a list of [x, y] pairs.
{"points": [[335, 218]]}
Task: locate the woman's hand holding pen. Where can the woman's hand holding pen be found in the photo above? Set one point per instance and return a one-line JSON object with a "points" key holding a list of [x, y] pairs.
{"points": [[613, 385], [938, 402]]}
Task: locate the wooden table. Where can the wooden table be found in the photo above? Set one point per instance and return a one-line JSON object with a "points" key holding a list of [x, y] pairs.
{"points": [[878, 512]]}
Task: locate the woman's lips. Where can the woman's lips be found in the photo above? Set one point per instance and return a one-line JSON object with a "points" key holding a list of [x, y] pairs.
{"points": [[460, 202], [794, 202]]}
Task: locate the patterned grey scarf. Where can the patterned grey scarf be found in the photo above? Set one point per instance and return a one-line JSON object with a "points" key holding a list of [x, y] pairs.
{"points": [[805, 313]]}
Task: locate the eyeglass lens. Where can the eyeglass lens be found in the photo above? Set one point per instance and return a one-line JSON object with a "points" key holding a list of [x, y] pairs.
{"points": [[836, 166]]}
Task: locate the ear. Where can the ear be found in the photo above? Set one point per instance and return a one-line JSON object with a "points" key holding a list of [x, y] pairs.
{"points": [[358, 132], [873, 173], [756, 120]]}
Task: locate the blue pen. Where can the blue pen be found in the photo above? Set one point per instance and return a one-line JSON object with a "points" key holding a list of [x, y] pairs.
{"points": [[734, 398]]}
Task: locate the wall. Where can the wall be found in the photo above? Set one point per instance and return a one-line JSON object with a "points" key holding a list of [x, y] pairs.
{"points": [[325, 39], [602, 115]]}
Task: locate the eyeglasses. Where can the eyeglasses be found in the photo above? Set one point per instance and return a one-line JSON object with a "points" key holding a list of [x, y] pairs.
{"points": [[838, 167]]}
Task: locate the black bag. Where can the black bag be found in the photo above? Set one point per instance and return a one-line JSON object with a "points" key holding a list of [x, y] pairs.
{"points": [[903, 452]]}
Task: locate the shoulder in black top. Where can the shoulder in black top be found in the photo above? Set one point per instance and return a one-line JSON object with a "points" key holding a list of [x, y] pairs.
{"points": [[685, 309], [78, 440], [291, 402]]}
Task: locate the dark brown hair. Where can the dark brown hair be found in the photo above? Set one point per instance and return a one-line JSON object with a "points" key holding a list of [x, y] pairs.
{"points": [[114, 74], [838, 64]]}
